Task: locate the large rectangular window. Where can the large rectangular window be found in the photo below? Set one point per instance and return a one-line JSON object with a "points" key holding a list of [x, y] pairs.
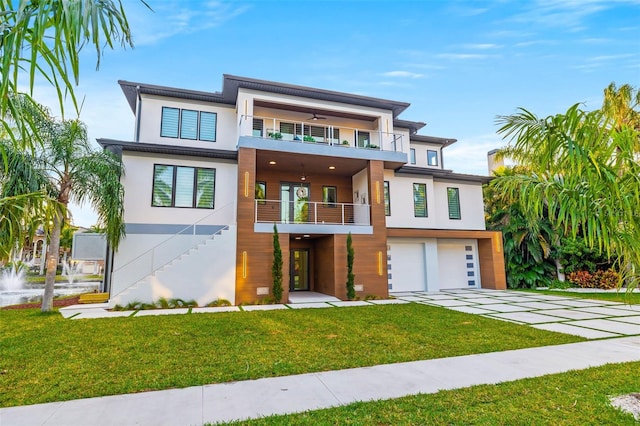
{"points": [[180, 186], [432, 158], [188, 124], [387, 199], [453, 198], [420, 200], [412, 155]]}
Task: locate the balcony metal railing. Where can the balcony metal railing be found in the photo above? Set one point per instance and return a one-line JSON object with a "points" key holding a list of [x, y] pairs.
{"points": [[304, 132], [311, 212]]}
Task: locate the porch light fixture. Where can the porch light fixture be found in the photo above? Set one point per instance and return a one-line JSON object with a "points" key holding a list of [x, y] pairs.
{"points": [[273, 163], [332, 167], [304, 176]]}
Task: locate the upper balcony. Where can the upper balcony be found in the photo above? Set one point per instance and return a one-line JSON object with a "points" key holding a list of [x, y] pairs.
{"points": [[284, 135]]}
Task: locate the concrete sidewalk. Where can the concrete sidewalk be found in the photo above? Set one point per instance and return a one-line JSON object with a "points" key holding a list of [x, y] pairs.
{"points": [[255, 398]]}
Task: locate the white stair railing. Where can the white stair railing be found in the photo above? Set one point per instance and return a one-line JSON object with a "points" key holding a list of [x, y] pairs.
{"points": [[153, 259]]}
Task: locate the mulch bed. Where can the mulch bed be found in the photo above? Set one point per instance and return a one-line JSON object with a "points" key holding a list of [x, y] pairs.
{"points": [[57, 303]]}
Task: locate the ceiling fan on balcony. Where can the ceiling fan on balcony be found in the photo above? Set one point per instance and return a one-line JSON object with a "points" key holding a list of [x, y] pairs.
{"points": [[316, 117]]}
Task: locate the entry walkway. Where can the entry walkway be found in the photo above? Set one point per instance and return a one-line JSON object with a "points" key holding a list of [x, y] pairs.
{"points": [[280, 395], [588, 318]]}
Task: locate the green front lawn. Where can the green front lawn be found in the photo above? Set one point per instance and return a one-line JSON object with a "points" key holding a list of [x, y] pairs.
{"points": [[573, 398], [47, 358]]}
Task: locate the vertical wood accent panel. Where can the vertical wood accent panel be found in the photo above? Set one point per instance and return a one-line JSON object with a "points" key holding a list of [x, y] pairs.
{"points": [[259, 246]]}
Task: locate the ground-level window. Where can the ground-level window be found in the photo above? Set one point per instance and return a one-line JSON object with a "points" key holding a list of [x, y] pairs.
{"points": [[387, 199], [432, 158], [420, 200], [453, 198], [181, 186]]}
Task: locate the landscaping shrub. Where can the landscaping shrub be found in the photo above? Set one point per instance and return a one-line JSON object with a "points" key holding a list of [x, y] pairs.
{"points": [[600, 279]]}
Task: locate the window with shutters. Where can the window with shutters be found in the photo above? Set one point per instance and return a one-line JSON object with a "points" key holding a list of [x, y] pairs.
{"points": [[169, 122], [188, 124], [420, 200], [181, 186], [453, 198]]}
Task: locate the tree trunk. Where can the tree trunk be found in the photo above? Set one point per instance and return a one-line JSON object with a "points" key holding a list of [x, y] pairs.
{"points": [[52, 265]]}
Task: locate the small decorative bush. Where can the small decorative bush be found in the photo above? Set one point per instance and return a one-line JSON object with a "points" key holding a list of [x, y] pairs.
{"points": [[600, 279], [218, 302], [308, 138], [275, 135]]}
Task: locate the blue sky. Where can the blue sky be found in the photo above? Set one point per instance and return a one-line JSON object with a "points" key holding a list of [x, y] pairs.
{"points": [[459, 63]]}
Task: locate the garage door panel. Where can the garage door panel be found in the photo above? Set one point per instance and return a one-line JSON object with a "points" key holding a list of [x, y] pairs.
{"points": [[457, 265], [407, 267]]}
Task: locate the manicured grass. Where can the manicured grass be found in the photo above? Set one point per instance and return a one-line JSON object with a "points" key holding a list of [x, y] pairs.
{"points": [[573, 398], [47, 358], [621, 296]]}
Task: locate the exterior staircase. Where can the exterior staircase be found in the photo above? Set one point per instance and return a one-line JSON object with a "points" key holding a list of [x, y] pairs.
{"points": [[205, 272]]}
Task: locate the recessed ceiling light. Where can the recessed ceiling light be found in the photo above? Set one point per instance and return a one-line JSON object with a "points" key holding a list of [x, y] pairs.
{"points": [[298, 238], [332, 167], [272, 162], [306, 235]]}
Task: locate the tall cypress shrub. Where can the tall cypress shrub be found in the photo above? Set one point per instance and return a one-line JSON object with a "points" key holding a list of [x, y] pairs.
{"points": [[351, 292], [276, 269]]}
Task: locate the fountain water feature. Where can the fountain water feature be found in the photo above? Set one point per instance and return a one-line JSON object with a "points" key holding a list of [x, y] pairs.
{"points": [[71, 269], [15, 290], [12, 278]]}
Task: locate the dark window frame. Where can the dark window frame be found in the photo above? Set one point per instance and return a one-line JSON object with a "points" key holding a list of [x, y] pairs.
{"points": [[325, 199], [198, 125], [452, 214], [177, 124], [431, 151], [194, 203], [426, 204]]}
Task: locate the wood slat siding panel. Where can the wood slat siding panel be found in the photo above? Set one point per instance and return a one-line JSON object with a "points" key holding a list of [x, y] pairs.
{"points": [[490, 250], [367, 247], [325, 268], [259, 246]]}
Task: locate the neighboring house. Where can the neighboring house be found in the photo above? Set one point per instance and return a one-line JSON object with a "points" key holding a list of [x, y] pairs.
{"points": [[208, 174]]}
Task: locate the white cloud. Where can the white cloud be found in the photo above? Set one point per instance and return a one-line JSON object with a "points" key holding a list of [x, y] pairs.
{"points": [[402, 74], [482, 46], [462, 56], [469, 155], [173, 17]]}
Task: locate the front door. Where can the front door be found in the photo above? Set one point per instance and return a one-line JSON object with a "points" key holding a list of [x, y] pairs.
{"points": [[299, 270], [294, 199]]}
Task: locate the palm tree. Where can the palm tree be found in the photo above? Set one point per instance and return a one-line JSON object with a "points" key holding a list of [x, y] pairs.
{"points": [[44, 38], [583, 176], [73, 171]]}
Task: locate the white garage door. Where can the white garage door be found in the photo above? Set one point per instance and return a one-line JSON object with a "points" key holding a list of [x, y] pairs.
{"points": [[457, 264], [407, 267]]}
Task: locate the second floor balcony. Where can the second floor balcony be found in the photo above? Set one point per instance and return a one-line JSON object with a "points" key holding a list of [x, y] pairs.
{"points": [[302, 216], [278, 134]]}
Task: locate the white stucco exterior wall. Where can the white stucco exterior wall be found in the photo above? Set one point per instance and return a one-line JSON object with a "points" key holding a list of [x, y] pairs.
{"points": [[402, 214], [151, 117], [138, 181]]}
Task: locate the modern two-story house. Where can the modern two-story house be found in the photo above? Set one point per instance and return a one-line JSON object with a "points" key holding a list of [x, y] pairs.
{"points": [[209, 174]]}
